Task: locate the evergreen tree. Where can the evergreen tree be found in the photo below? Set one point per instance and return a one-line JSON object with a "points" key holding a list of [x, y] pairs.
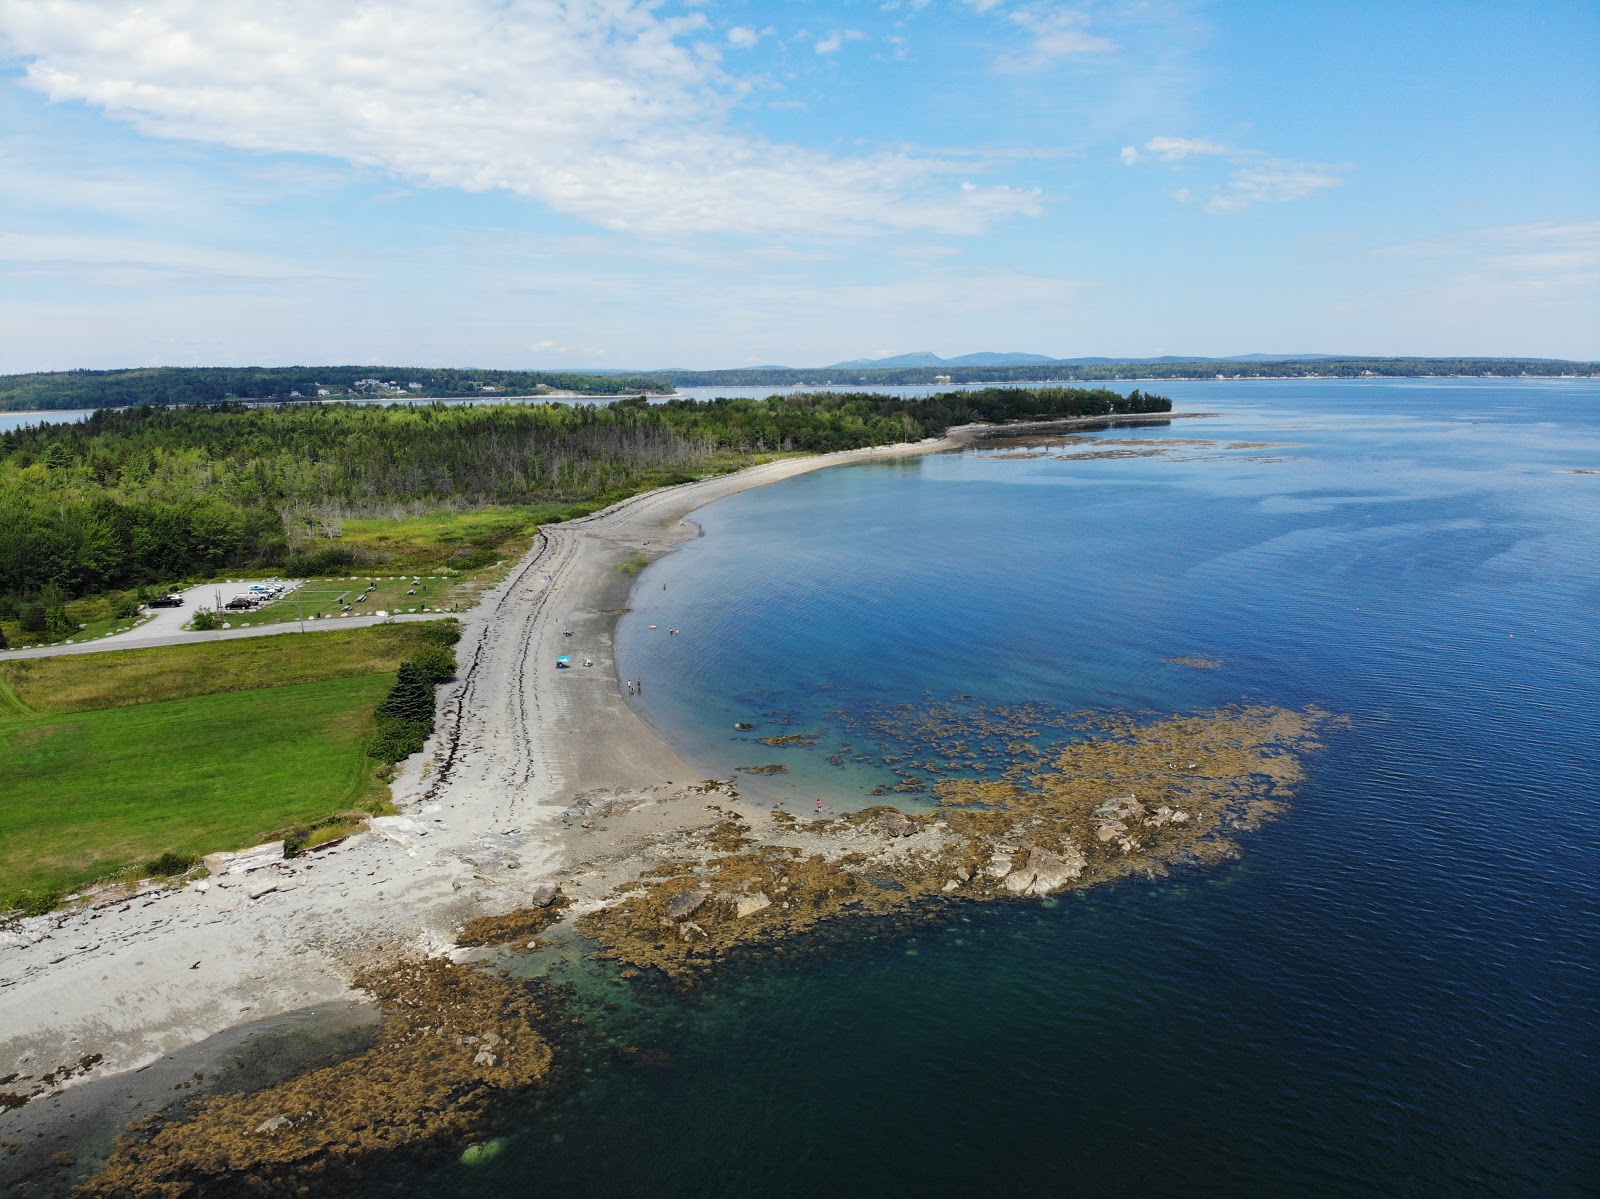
{"points": [[411, 697]]}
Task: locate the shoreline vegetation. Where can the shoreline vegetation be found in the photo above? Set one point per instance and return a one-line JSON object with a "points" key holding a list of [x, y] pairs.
{"points": [[79, 389], [96, 516]]}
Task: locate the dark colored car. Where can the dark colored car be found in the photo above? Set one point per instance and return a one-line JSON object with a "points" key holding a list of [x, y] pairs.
{"points": [[167, 601]]}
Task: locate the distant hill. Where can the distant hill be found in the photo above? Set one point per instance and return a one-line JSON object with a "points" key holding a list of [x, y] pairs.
{"points": [[925, 358], [881, 372]]}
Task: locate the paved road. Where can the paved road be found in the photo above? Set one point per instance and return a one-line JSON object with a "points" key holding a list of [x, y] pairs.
{"points": [[142, 638]]}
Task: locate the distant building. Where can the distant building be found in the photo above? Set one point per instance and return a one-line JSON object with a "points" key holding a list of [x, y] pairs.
{"points": [[414, 386], [941, 378], [323, 391]]}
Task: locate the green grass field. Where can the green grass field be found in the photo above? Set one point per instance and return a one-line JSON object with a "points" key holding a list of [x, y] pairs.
{"points": [[93, 792], [109, 760], [330, 599]]}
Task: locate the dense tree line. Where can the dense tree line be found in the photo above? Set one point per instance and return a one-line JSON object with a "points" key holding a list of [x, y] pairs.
{"points": [[211, 385], [149, 495]]}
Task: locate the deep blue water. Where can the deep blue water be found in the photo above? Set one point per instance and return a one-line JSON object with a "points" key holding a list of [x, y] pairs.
{"points": [[1392, 992]]}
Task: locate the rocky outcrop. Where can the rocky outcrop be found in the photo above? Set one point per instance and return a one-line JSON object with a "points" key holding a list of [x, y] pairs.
{"points": [[1046, 870], [685, 904]]}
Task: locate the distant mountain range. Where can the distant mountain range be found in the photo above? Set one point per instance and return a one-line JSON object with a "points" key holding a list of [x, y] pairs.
{"points": [[924, 358]]}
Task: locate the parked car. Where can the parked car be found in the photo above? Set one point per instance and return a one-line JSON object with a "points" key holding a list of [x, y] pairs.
{"points": [[167, 601]]}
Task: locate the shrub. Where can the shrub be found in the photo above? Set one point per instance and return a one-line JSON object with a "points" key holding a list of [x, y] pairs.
{"points": [[124, 607], [436, 663], [398, 739], [205, 620], [441, 632], [33, 903], [34, 618], [170, 863]]}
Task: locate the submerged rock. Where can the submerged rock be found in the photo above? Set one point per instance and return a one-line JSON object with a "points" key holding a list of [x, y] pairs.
{"points": [[484, 1151]]}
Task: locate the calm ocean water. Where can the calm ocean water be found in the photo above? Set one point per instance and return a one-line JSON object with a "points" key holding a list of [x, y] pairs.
{"points": [[1392, 992]]}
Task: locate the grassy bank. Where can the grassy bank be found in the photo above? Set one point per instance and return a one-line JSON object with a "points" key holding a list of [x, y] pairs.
{"points": [[111, 761]]}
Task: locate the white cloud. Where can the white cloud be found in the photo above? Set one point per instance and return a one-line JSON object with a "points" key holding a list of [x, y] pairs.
{"points": [[1058, 32], [1175, 149], [565, 350], [1273, 181], [1257, 178], [601, 109], [1541, 255], [835, 41]]}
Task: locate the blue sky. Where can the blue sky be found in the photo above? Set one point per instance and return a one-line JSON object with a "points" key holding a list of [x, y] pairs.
{"points": [[525, 183]]}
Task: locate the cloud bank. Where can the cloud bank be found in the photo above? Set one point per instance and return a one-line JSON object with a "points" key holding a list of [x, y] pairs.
{"points": [[606, 110]]}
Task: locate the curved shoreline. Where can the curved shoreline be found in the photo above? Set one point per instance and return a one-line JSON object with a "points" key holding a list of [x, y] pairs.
{"points": [[481, 827]]}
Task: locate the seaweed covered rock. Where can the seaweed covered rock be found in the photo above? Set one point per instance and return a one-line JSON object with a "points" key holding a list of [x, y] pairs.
{"points": [[452, 1040]]}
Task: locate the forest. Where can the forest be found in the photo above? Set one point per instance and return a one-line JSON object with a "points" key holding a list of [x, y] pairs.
{"points": [[151, 495], [210, 385]]}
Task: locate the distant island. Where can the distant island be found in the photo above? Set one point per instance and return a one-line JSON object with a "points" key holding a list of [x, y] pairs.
{"points": [[1028, 368], [217, 384], [210, 385]]}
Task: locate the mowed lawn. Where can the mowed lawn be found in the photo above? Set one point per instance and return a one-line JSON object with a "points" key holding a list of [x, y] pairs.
{"points": [[110, 760], [89, 793]]}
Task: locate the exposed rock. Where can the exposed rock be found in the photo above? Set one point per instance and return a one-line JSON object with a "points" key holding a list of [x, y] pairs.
{"points": [[894, 824], [485, 1058], [748, 905], [245, 860], [276, 1124], [1045, 871], [743, 726], [543, 895], [999, 863], [686, 904]]}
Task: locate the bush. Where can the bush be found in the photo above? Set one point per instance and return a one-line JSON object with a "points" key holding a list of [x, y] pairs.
{"points": [[34, 618], [398, 739], [124, 607], [329, 560], [169, 864], [441, 632], [436, 663], [205, 620], [32, 903]]}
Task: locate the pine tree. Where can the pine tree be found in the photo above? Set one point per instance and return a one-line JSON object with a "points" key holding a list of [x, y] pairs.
{"points": [[411, 697]]}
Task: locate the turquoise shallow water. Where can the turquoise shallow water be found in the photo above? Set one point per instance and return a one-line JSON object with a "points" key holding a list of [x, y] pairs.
{"points": [[1391, 992]]}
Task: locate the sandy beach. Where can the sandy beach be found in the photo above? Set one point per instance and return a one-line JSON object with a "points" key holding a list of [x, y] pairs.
{"points": [[519, 743]]}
